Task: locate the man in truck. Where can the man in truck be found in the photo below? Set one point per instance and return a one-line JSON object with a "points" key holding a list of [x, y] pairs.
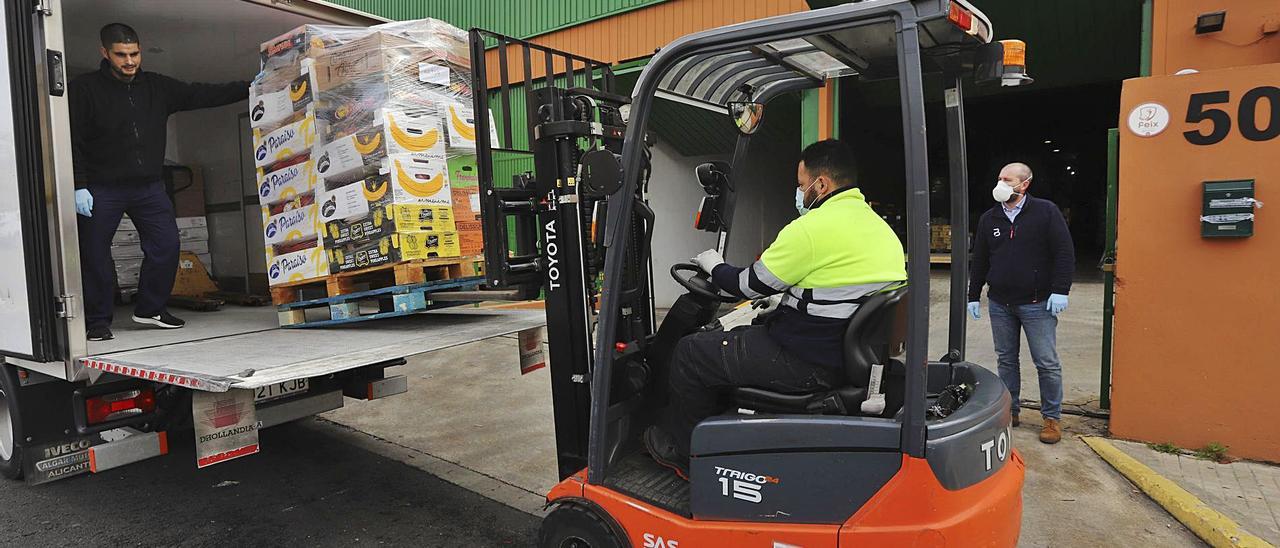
{"points": [[118, 132]]}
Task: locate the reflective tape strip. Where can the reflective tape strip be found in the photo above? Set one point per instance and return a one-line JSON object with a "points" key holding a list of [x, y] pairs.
{"points": [[158, 375]]}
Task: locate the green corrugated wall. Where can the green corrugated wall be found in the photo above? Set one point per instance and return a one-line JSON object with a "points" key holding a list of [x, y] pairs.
{"points": [[509, 17]]}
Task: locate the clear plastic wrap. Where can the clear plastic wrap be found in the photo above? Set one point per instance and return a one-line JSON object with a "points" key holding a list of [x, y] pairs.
{"points": [[370, 125]]}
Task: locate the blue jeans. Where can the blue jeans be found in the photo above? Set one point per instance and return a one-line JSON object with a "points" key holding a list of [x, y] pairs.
{"points": [[1041, 328]]}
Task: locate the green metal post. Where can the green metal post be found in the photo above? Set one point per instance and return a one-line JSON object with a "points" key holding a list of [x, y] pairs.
{"points": [[808, 117], [1108, 265]]}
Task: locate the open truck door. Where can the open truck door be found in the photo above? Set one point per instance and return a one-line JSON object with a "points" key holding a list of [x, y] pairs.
{"points": [[39, 290]]}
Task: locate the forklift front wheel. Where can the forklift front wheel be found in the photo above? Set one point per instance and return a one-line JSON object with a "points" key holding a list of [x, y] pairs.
{"points": [[573, 525], [11, 450]]}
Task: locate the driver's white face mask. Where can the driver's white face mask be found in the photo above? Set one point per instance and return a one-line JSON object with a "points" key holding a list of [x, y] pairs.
{"points": [[801, 206]]}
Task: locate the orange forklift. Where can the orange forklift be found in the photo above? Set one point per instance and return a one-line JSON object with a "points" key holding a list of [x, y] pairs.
{"points": [[911, 452]]}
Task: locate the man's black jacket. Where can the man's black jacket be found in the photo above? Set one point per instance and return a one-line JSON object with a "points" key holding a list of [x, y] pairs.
{"points": [[1023, 261], [118, 129]]}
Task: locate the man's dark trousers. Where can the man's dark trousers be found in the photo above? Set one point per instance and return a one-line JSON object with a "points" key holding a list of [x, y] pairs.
{"points": [[706, 365], [149, 207]]}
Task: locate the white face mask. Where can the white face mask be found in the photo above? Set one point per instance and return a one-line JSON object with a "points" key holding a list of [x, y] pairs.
{"points": [[1002, 191], [801, 206]]}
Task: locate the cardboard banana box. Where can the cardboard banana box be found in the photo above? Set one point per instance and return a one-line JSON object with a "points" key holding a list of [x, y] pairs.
{"points": [[288, 181], [419, 179], [354, 200], [410, 132], [470, 238], [352, 157], [463, 172], [297, 220], [396, 57], [303, 263], [394, 248], [461, 124], [386, 220], [282, 144], [268, 109], [466, 203]]}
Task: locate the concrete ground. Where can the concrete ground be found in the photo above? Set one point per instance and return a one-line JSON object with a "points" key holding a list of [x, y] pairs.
{"points": [[1071, 497], [1079, 341], [1246, 492]]}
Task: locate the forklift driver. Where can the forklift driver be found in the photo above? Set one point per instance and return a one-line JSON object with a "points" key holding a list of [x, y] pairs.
{"points": [[836, 252]]}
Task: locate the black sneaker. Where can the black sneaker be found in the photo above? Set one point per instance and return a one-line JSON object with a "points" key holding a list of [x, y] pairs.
{"points": [[100, 334], [663, 450], [163, 319]]}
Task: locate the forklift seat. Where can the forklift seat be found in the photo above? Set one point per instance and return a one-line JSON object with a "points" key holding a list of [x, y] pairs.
{"points": [[875, 334]]}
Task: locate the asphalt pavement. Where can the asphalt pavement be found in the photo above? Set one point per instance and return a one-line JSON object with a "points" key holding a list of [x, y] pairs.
{"points": [[310, 485]]}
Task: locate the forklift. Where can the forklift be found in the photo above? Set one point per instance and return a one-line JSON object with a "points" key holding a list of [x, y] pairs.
{"points": [[912, 451]]}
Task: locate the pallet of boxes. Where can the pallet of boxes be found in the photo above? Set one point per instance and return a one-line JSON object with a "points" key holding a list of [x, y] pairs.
{"points": [[364, 141]]}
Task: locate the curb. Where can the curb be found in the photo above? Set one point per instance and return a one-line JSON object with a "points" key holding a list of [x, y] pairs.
{"points": [[1210, 525]]}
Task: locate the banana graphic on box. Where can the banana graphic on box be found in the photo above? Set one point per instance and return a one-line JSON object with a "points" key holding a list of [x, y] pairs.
{"points": [[289, 103], [412, 134], [462, 127], [419, 179], [348, 158]]}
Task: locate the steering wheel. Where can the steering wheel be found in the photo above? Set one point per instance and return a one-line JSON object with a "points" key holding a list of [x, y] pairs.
{"points": [[699, 283]]}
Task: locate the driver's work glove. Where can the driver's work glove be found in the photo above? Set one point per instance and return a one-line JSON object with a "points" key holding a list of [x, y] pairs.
{"points": [[708, 260]]}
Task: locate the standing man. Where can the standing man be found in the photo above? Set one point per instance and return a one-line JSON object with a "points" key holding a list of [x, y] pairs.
{"points": [[824, 262], [118, 134], [1023, 251]]}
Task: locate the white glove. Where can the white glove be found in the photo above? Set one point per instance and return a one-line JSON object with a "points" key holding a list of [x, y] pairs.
{"points": [[708, 260]]}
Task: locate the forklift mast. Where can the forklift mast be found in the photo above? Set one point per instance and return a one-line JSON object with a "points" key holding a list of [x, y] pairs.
{"points": [[544, 190]]}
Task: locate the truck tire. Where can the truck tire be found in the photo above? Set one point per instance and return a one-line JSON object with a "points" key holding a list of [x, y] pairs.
{"points": [[11, 449], [576, 526]]}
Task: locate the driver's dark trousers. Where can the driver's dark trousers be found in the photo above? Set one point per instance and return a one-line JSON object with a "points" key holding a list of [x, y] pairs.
{"points": [[706, 365]]}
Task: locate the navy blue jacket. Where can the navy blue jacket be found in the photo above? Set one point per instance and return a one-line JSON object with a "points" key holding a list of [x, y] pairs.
{"points": [[1023, 261]]}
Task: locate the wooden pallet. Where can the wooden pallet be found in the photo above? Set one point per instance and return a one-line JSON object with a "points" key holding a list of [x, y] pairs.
{"points": [[405, 284]]}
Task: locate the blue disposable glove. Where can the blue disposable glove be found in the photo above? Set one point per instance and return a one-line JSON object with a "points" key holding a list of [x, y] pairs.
{"points": [[1057, 303], [84, 202], [975, 310]]}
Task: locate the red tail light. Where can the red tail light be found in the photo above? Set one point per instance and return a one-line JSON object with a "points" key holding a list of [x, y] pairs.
{"points": [[119, 405], [961, 17]]}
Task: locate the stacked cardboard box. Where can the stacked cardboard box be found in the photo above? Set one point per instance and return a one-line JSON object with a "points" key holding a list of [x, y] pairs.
{"points": [[359, 133], [940, 237], [126, 247]]}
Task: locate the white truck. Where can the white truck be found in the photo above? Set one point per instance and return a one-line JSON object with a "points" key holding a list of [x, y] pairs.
{"points": [[69, 406]]}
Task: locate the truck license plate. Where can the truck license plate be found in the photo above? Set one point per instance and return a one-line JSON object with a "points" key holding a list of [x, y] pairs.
{"points": [[279, 390]]}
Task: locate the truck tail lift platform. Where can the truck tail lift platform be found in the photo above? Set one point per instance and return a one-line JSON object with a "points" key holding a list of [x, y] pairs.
{"points": [[565, 212]]}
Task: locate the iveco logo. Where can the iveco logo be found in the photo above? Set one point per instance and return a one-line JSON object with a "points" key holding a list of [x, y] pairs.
{"points": [[66, 448]]}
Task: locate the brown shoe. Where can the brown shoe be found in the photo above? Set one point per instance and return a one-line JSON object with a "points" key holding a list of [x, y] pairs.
{"points": [[1052, 431], [1017, 421]]}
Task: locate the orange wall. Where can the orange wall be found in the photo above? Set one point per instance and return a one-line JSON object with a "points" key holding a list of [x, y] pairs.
{"points": [[635, 34], [1197, 323], [1175, 45]]}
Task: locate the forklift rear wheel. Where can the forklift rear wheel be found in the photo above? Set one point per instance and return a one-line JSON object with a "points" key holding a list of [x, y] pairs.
{"points": [[576, 526], [11, 452]]}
